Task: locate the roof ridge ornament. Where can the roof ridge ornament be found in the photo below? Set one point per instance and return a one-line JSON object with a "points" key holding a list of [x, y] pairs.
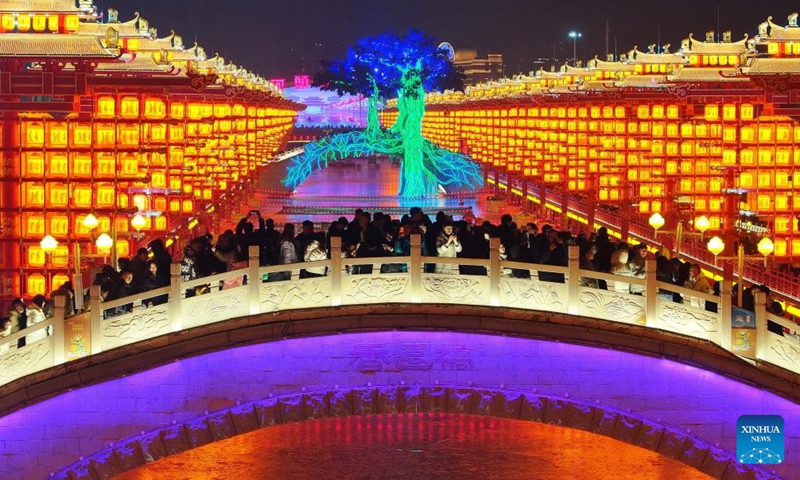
{"points": [[774, 26], [111, 39], [793, 20], [113, 15], [710, 36]]}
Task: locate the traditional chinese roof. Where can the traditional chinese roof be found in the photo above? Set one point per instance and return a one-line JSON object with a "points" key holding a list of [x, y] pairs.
{"points": [[769, 66], [697, 47], [606, 66], [140, 63], [636, 56], [577, 72], [35, 6], [544, 74], [596, 85], [777, 32], [687, 74], [136, 27], [34, 46], [642, 81]]}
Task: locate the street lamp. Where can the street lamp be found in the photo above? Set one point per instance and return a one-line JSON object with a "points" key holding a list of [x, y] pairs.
{"points": [[575, 36], [765, 248]]}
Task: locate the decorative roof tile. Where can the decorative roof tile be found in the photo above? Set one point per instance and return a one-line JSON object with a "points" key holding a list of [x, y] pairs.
{"points": [[45, 6], [643, 81], [687, 74], [767, 66], [52, 46]]}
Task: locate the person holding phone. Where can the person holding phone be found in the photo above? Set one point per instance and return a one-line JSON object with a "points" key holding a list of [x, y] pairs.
{"points": [[447, 246]]}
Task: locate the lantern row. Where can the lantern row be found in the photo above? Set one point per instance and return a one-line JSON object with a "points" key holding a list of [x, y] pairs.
{"points": [[676, 133], [143, 129]]}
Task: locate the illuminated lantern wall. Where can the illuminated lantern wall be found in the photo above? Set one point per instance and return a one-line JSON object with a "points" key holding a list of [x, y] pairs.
{"points": [[150, 143], [679, 150]]}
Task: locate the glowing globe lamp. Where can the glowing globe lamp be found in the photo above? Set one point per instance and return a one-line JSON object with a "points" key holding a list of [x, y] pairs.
{"points": [[716, 246], [138, 222], [104, 243], [766, 247], [90, 222], [702, 223], [656, 221], [49, 244]]}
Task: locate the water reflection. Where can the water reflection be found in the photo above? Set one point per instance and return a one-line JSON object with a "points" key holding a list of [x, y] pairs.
{"points": [[417, 446]]}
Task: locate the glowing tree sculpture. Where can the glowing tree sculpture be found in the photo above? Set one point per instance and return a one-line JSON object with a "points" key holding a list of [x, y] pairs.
{"points": [[382, 67]]}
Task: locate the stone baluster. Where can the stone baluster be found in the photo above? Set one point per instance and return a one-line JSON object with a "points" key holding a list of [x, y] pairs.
{"points": [[95, 318], [253, 280], [726, 315], [650, 291], [495, 272], [762, 341], [415, 268], [573, 280], [175, 297], [336, 271], [59, 338]]}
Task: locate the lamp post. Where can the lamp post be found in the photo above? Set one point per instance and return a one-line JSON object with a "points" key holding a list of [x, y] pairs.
{"points": [[700, 223], [575, 36], [765, 248]]}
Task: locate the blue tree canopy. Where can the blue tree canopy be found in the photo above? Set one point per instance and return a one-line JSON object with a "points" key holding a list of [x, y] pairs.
{"points": [[386, 63]]}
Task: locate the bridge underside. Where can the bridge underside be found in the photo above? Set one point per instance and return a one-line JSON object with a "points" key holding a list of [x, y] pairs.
{"points": [[604, 376], [487, 433]]}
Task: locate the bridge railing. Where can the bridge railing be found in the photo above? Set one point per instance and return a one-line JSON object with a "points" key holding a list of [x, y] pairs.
{"points": [[254, 290]]}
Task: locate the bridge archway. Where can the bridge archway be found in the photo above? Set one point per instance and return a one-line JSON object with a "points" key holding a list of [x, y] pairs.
{"points": [[174, 377], [419, 405]]}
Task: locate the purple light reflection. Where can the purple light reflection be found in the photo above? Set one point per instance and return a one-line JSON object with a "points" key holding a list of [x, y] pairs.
{"points": [[54, 433]]}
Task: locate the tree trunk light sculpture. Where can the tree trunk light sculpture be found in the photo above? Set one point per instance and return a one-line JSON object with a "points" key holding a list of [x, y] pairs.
{"points": [[387, 66]]}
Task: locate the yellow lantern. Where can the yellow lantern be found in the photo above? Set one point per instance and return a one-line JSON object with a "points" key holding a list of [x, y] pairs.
{"points": [[656, 221], [49, 244]]}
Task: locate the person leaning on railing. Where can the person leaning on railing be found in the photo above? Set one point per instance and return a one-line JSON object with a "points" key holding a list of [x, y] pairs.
{"points": [[152, 281], [5, 330], [586, 263]]}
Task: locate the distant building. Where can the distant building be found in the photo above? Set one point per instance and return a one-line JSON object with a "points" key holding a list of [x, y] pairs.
{"points": [[477, 69]]}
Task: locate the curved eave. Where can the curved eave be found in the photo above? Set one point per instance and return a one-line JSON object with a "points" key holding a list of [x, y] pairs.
{"points": [[772, 66], [707, 75], [37, 47], [642, 81], [658, 58], [39, 6]]}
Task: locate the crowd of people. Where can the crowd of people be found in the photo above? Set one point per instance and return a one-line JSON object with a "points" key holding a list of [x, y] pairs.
{"points": [[376, 235]]}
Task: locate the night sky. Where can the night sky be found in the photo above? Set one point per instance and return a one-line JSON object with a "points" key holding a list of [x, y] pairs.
{"points": [[282, 38]]}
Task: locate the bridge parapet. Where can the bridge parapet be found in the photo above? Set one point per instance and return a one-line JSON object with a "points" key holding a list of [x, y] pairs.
{"points": [[251, 291]]}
